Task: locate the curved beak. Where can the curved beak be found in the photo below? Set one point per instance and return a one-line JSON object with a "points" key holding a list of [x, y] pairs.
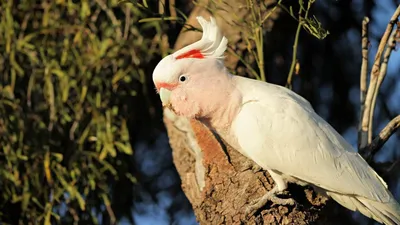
{"points": [[164, 96]]}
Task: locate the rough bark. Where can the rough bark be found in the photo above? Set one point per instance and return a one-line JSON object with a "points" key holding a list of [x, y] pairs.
{"points": [[218, 181]]}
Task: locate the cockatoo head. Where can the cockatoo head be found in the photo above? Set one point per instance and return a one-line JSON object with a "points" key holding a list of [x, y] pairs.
{"points": [[190, 81]]}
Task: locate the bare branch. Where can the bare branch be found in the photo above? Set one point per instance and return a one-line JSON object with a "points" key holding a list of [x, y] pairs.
{"points": [[363, 77], [382, 74], [369, 151], [364, 65], [375, 73]]}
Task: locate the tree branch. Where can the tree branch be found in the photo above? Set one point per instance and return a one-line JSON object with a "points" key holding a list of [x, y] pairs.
{"points": [[369, 151], [363, 77], [382, 74], [366, 122]]}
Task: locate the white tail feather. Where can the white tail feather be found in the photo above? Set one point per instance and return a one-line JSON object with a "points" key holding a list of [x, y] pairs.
{"points": [[212, 43], [386, 213]]}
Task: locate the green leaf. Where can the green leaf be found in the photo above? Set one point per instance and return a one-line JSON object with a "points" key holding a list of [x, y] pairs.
{"points": [[125, 148]]}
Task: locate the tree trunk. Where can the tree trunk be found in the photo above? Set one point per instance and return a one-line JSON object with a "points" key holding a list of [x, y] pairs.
{"points": [[219, 181]]}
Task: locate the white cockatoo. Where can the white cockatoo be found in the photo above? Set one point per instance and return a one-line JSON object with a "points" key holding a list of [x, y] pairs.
{"points": [[271, 125]]}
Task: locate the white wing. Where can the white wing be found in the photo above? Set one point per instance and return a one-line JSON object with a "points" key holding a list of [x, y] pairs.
{"points": [[279, 130]]}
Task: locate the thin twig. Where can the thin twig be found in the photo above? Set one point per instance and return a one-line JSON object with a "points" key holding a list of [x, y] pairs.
{"points": [[391, 46], [260, 51], [295, 44], [294, 57], [369, 151], [271, 11], [258, 37], [375, 72]]}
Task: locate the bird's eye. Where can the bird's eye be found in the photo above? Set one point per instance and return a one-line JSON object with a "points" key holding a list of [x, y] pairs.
{"points": [[182, 78]]}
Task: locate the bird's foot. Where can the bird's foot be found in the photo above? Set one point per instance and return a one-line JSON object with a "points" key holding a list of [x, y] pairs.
{"points": [[249, 165], [269, 196], [256, 168]]}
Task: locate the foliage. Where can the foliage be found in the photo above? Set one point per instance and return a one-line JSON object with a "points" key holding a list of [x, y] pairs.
{"points": [[69, 71]]}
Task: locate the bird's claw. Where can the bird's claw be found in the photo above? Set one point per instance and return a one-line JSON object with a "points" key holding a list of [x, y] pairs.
{"points": [[284, 192], [269, 196], [283, 201], [249, 165], [256, 168]]}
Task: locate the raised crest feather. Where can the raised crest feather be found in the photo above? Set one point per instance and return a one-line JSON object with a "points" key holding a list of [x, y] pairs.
{"points": [[211, 45], [191, 54]]}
